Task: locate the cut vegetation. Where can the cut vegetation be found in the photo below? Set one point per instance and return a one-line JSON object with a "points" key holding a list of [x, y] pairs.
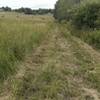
{"points": [[42, 58], [59, 66]]}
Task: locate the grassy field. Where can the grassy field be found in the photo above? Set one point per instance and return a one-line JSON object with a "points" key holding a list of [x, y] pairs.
{"points": [[18, 35], [92, 37], [55, 65]]}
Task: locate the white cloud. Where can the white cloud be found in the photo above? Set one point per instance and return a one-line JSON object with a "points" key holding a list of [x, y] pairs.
{"points": [[28, 3]]}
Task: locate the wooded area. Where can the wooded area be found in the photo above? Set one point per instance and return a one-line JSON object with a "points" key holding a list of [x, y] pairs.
{"points": [[82, 13]]}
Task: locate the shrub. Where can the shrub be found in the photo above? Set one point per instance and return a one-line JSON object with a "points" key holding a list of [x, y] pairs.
{"points": [[63, 9], [87, 15], [93, 38]]}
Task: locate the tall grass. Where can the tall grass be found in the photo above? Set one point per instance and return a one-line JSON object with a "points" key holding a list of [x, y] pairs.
{"points": [[92, 37], [18, 35]]}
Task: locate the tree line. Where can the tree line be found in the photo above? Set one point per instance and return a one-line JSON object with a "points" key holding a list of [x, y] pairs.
{"points": [[81, 13], [28, 10]]}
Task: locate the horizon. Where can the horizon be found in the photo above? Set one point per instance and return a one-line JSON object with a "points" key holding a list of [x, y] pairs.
{"points": [[33, 4], [1, 7]]}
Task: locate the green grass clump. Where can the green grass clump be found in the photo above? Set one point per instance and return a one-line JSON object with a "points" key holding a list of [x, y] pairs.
{"points": [[19, 34], [93, 38], [47, 83]]}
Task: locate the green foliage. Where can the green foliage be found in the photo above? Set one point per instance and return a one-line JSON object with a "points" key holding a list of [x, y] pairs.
{"points": [[83, 14], [63, 9], [28, 10], [34, 12], [18, 35], [91, 37], [87, 15], [6, 8]]}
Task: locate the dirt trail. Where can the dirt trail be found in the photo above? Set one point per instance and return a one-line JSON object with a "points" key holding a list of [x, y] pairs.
{"points": [[54, 50], [92, 92]]}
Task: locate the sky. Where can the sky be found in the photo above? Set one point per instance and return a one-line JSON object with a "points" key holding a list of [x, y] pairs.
{"points": [[34, 4]]}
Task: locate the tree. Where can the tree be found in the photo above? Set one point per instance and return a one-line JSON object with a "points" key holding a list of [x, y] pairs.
{"points": [[28, 11], [34, 12], [7, 8], [87, 15], [63, 9]]}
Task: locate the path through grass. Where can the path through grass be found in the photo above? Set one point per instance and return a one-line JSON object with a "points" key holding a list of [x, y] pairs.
{"points": [[62, 67]]}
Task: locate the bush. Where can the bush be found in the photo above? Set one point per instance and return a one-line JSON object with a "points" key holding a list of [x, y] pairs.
{"points": [[63, 9], [87, 15], [93, 38]]}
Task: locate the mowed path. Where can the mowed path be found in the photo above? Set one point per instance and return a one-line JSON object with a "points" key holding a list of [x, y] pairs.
{"points": [[55, 51]]}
